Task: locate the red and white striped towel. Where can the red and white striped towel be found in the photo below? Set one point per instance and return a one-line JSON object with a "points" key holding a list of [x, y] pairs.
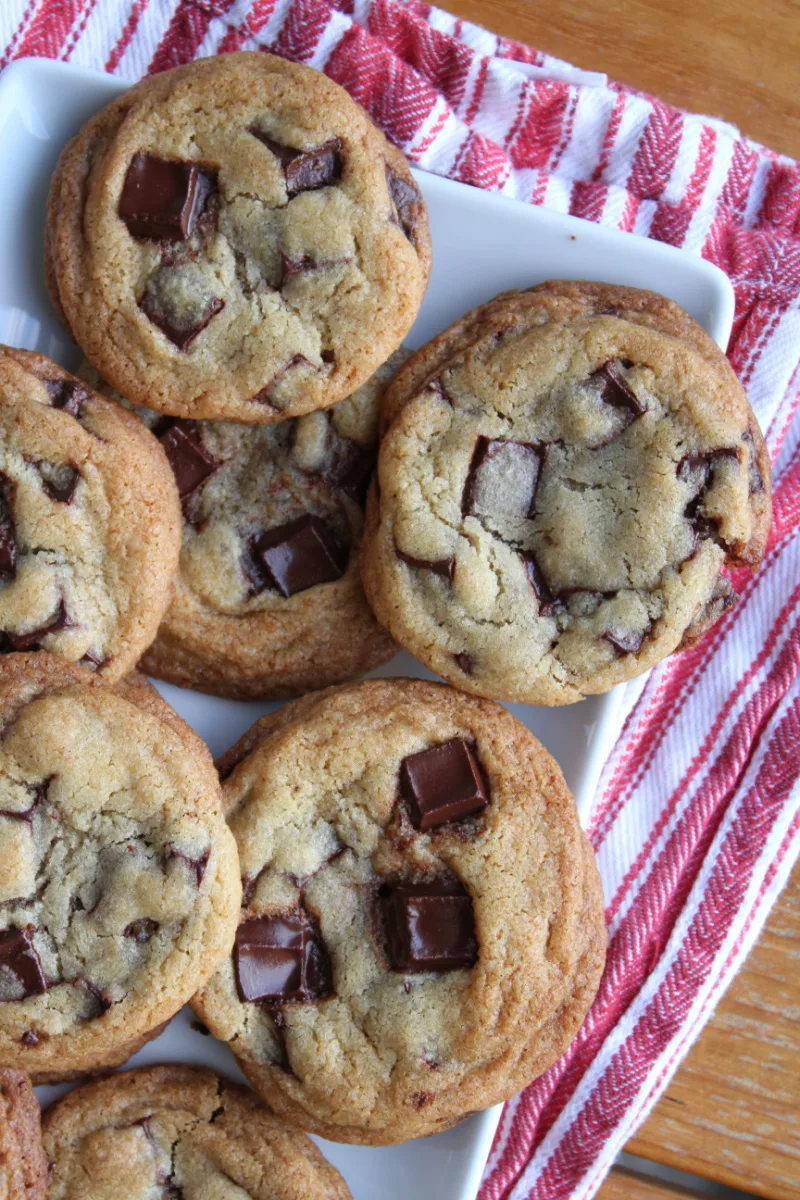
{"points": [[696, 820]]}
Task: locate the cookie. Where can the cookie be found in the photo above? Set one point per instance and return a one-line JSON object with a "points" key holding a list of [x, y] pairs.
{"points": [[269, 601], [235, 240], [564, 475], [89, 521], [23, 1169], [119, 881], [178, 1132], [422, 928]]}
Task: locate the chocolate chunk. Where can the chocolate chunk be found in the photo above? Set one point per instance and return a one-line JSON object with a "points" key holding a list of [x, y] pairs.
{"points": [[161, 200], [300, 555], [615, 391], [142, 930], [407, 203], [442, 784], [352, 469], [192, 465], [20, 964], [446, 567], [200, 1028], [32, 641], [429, 926], [305, 170], [8, 539], [464, 661], [548, 601], [67, 394], [502, 478], [31, 1038], [624, 641], [266, 395], [59, 480], [180, 334], [198, 865], [281, 957]]}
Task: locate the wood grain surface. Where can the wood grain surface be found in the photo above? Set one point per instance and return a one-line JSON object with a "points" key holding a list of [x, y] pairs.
{"points": [[736, 59], [625, 1185], [732, 1112]]}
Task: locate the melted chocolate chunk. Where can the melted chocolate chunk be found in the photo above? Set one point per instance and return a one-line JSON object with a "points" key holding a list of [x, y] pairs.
{"points": [[407, 203], [266, 395], [93, 659], [446, 567], [281, 957], [20, 964], [39, 794], [32, 641], [142, 930], [615, 391], [464, 661], [59, 480], [192, 465], [67, 395], [181, 335], [8, 539], [198, 865], [305, 170], [442, 784], [300, 555], [502, 478], [700, 468], [548, 601], [429, 926], [31, 1038], [161, 200], [624, 641], [101, 997], [755, 480], [293, 268], [200, 1028]]}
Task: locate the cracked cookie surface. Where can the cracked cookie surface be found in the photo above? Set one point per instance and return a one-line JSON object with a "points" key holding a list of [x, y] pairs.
{"points": [[23, 1169], [235, 240], [563, 476], [119, 882], [422, 927], [269, 601], [178, 1134], [89, 521]]}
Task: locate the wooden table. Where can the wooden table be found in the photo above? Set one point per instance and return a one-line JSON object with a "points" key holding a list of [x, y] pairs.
{"points": [[732, 1112]]}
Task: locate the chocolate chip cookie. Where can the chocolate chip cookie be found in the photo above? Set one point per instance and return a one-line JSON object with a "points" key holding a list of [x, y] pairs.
{"points": [[235, 240], [178, 1132], [422, 928], [119, 881], [269, 600], [23, 1169], [564, 475], [89, 521]]}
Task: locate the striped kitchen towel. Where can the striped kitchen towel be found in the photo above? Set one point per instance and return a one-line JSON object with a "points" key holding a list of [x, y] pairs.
{"points": [[696, 820]]}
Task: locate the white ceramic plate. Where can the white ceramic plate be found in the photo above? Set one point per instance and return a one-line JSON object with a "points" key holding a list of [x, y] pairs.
{"points": [[482, 244]]}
